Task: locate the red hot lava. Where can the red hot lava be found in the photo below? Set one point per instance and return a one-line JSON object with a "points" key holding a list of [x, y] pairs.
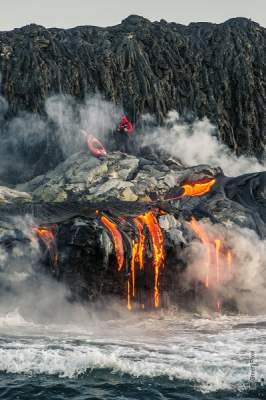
{"points": [[198, 188], [47, 235], [218, 259], [137, 261], [157, 239], [194, 189], [117, 240]]}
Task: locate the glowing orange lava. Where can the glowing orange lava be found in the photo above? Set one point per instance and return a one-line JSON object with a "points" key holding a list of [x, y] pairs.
{"points": [[198, 188], [157, 239], [137, 260], [133, 265], [47, 235], [198, 229], [218, 306], [217, 243], [129, 306], [219, 260], [117, 240], [140, 243], [229, 260]]}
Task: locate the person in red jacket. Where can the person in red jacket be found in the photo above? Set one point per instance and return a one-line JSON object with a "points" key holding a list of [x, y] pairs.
{"points": [[125, 126], [123, 133]]}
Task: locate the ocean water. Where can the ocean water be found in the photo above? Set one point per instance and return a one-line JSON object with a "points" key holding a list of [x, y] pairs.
{"points": [[163, 355]]}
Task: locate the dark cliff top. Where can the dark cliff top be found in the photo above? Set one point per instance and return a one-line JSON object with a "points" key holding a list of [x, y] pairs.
{"points": [[202, 70], [134, 21]]}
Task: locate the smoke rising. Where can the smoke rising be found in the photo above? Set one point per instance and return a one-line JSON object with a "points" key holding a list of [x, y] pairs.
{"points": [[28, 288], [245, 282], [72, 120], [32, 144], [64, 125], [197, 143]]}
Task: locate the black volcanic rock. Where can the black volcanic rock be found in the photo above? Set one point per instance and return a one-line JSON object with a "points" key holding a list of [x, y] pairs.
{"points": [[203, 69], [76, 247]]}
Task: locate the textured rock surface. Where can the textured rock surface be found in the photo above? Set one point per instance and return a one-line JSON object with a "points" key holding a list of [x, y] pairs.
{"points": [[117, 176], [203, 69], [126, 181], [69, 202], [8, 195]]}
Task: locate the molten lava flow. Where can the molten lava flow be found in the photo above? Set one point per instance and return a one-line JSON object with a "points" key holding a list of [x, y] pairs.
{"points": [[229, 261], [137, 256], [198, 188], [117, 239], [217, 243], [133, 265], [198, 229], [219, 261], [47, 235], [137, 260], [141, 243], [218, 306], [155, 231], [129, 306]]}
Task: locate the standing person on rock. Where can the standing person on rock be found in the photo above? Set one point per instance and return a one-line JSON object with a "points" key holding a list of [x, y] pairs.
{"points": [[123, 135]]}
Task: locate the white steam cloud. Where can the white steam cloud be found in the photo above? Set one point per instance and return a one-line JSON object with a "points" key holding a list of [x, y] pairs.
{"points": [[95, 116], [32, 144], [197, 143], [244, 281]]}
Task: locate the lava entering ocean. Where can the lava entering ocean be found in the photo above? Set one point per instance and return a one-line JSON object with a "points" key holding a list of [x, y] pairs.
{"points": [[117, 240], [147, 234], [140, 254], [48, 237], [217, 267], [148, 229], [156, 235]]}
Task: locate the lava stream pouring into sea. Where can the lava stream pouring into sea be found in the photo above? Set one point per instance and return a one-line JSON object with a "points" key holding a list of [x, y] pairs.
{"points": [[48, 237], [157, 238], [148, 229], [117, 240], [217, 267]]}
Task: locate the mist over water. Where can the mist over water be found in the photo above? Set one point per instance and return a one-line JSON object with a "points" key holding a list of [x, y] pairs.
{"points": [[206, 354], [245, 282]]}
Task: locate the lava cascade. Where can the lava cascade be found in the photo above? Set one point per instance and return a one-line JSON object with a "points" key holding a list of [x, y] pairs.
{"points": [[147, 227], [117, 240], [217, 267], [48, 237]]}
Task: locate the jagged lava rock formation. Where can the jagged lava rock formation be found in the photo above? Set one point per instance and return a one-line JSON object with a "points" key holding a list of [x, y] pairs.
{"points": [[204, 69], [98, 220]]}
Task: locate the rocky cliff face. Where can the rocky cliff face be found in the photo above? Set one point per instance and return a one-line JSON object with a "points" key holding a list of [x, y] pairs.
{"points": [[203, 69], [143, 230]]}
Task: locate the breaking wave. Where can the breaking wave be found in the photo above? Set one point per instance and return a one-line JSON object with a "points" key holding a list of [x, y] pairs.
{"points": [[212, 353]]}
